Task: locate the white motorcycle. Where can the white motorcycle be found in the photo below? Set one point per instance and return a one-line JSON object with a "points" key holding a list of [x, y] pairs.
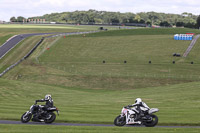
{"points": [[128, 115]]}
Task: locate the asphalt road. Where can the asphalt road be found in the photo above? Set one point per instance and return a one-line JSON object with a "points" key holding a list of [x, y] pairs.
{"points": [[73, 124], [12, 42]]}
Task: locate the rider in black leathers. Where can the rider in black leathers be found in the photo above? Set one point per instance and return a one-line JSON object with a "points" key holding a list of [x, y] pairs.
{"points": [[49, 104], [48, 100]]}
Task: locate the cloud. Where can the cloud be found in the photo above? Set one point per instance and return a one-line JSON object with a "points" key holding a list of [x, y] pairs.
{"points": [[29, 8]]}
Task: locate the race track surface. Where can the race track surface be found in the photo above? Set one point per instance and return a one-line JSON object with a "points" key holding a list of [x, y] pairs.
{"points": [[94, 125]]}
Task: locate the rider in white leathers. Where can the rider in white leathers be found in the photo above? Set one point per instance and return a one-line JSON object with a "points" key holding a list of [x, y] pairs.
{"points": [[138, 104]]}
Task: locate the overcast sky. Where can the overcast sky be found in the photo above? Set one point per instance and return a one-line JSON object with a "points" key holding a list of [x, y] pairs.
{"points": [[30, 8]]}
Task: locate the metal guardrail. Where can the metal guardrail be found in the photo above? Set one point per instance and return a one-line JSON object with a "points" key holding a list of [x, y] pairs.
{"points": [[34, 48]]}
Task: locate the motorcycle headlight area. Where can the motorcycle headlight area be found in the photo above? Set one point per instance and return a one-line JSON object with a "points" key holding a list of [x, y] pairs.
{"points": [[124, 111]]}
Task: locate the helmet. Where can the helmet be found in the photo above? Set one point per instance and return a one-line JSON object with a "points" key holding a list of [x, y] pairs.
{"points": [[47, 97], [138, 100]]}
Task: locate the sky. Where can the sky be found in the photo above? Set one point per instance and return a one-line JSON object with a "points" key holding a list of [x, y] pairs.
{"points": [[31, 8]]}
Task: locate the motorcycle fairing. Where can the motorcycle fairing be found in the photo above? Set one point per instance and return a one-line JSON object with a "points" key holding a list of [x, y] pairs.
{"points": [[153, 110]]}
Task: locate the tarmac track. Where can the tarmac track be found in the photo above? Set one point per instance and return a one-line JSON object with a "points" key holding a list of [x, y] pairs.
{"points": [[93, 125]]}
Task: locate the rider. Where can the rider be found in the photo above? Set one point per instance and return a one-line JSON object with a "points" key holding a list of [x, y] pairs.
{"points": [[138, 104], [48, 100]]}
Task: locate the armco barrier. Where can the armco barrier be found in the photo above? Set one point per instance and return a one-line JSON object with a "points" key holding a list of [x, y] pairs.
{"points": [[33, 49]]}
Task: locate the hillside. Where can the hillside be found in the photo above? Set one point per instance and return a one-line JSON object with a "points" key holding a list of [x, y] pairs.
{"points": [[78, 60]]}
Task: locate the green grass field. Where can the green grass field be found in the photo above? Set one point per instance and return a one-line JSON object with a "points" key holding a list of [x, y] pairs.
{"points": [[72, 129], [89, 91], [102, 106], [82, 58]]}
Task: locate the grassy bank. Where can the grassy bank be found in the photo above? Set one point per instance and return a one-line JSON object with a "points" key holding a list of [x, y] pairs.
{"points": [[102, 106], [77, 61], [72, 129]]}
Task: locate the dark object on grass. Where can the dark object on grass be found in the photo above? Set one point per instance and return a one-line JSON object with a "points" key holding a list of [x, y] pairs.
{"points": [[173, 62], [178, 55], [104, 61], [149, 62], [101, 28], [192, 62], [125, 61]]}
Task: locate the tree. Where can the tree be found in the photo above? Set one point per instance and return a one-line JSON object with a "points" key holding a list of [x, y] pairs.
{"points": [[179, 24], [13, 19], [189, 25], [137, 18], [105, 17], [152, 16], [148, 22], [20, 19], [198, 21], [165, 23], [142, 21]]}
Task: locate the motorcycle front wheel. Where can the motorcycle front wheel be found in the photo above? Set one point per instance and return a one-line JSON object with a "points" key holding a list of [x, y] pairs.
{"points": [[120, 121], [50, 118], [153, 122], [26, 117]]}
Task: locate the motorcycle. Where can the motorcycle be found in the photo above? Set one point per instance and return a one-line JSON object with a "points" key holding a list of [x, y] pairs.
{"points": [[128, 115], [40, 115]]}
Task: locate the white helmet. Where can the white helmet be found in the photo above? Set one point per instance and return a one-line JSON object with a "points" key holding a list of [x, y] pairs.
{"points": [[47, 97], [138, 100]]}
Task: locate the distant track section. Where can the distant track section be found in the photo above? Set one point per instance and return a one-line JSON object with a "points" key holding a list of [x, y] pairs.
{"points": [[191, 46], [13, 41]]}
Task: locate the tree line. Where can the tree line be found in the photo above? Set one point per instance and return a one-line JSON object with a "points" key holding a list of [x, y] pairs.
{"points": [[104, 17]]}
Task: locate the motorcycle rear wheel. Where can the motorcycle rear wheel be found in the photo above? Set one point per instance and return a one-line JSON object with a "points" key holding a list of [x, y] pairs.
{"points": [[26, 117], [51, 119], [153, 123], [120, 121]]}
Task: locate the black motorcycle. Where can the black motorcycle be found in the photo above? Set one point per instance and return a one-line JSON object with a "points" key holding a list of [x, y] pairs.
{"points": [[39, 114]]}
